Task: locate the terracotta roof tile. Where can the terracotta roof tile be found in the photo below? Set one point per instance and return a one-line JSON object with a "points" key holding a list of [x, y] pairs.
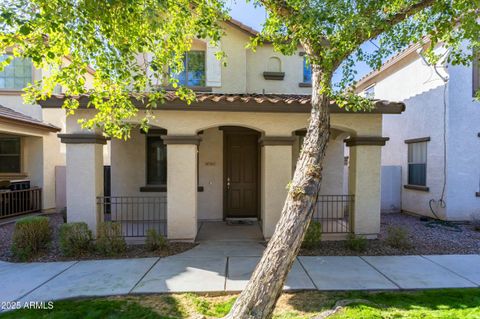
{"points": [[238, 102]]}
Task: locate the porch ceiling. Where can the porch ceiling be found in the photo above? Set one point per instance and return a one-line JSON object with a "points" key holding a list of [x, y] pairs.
{"points": [[281, 103]]}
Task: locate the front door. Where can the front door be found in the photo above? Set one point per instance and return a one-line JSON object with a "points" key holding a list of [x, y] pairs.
{"points": [[241, 173]]}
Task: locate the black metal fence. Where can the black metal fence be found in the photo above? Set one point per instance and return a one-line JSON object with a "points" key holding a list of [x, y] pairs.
{"points": [[18, 202], [334, 212], [137, 214]]}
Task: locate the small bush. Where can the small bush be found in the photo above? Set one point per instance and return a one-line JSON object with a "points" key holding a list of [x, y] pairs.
{"points": [[30, 236], [397, 237], [75, 239], [109, 239], [356, 243], [154, 240], [313, 236]]}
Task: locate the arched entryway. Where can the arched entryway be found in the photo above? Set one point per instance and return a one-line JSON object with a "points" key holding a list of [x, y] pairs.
{"points": [[241, 158], [229, 177]]}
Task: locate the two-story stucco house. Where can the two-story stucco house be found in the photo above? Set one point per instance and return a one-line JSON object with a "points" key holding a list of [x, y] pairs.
{"points": [[436, 141], [228, 155], [29, 147]]}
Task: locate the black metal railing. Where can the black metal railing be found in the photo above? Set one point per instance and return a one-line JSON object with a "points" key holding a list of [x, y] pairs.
{"points": [[334, 212], [137, 214], [18, 202]]}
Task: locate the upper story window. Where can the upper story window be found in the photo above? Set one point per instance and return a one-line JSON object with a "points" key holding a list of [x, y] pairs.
{"points": [[307, 71], [193, 73], [10, 159], [417, 162], [369, 92], [17, 75]]}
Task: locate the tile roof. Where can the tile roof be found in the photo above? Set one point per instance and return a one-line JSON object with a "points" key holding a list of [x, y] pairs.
{"points": [[294, 103], [9, 115]]}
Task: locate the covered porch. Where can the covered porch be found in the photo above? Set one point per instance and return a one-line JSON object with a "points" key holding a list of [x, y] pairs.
{"points": [[225, 158], [24, 179]]}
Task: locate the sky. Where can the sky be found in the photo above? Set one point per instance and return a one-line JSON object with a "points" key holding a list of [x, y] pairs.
{"points": [[254, 17]]}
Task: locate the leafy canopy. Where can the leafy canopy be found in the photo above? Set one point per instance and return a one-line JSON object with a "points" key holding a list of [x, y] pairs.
{"points": [[133, 44]]}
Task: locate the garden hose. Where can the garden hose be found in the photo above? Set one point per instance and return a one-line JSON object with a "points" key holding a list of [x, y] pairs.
{"points": [[437, 222]]}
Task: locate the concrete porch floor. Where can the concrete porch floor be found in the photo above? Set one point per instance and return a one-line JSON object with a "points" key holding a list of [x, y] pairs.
{"points": [[229, 231]]}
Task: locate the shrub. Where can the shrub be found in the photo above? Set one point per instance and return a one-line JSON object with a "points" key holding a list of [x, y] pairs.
{"points": [[313, 236], [356, 243], [154, 240], [75, 239], [397, 237], [30, 236], [109, 238]]}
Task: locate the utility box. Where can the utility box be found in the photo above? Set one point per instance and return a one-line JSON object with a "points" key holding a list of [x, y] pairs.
{"points": [[391, 189]]}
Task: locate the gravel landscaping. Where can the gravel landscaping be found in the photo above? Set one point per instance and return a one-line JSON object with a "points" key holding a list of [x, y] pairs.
{"points": [[54, 254], [423, 240]]}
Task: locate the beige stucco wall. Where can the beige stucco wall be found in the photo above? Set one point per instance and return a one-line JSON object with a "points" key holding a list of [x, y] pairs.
{"points": [[128, 172], [276, 161], [210, 154], [182, 192], [258, 62], [364, 183]]}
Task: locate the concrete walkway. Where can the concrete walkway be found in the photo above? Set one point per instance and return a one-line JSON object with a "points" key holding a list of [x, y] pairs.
{"points": [[226, 266]]}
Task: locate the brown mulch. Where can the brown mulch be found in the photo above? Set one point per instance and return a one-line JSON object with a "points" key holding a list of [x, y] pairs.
{"points": [[423, 240], [54, 254]]}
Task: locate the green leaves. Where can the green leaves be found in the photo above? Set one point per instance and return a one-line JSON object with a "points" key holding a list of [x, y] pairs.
{"points": [[334, 30], [132, 45]]}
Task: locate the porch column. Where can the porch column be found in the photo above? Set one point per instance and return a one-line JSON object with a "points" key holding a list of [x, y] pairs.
{"points": [[276, 173], [181, 186], [84, 177], [364, 182]]}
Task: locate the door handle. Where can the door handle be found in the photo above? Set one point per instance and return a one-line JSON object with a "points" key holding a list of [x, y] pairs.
{"points": [[228, 183]]}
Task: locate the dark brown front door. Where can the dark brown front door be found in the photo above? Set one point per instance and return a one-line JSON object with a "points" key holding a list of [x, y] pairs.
{"points": [[241, 173]]}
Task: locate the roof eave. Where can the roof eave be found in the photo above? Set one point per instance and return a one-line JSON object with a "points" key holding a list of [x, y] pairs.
{"points": [[39, 126], [381, 107]]}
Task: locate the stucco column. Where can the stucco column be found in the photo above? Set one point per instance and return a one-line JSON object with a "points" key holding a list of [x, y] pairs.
{"points": [[84, 177], [276, 173], [364, 182], [181, 186]]}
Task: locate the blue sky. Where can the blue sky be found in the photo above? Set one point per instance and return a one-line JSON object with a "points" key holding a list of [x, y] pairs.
{"points": [[252, 16]]}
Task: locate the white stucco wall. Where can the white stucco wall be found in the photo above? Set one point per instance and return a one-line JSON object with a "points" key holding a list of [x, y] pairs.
{"points": [[463, 163], [422, 91], [415, 83]]}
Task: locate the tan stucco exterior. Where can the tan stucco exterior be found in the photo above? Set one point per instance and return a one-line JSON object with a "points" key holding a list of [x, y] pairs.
{"points": [[194, 163], [186, 205], [41, 149]]}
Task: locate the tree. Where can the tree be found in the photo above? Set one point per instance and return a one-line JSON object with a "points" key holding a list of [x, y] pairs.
{"points": [[108, 34]]}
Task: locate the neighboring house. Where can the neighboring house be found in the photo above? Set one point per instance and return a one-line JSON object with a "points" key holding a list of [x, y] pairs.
{"points": [[436, 141], [31, 155], [228, 155]]}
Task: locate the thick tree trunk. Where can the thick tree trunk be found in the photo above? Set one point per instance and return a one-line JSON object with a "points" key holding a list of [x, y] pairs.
{"points": [[258, 299]]}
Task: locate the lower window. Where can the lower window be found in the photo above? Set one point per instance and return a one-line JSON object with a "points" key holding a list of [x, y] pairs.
{"points": [[417, 164], [10, 159]]}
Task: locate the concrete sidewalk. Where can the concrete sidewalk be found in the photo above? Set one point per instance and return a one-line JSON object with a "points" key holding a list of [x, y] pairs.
{"points": [[227, 266]]}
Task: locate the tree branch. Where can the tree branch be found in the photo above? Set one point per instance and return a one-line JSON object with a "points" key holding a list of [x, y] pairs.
{"points": [[399, 17]]}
